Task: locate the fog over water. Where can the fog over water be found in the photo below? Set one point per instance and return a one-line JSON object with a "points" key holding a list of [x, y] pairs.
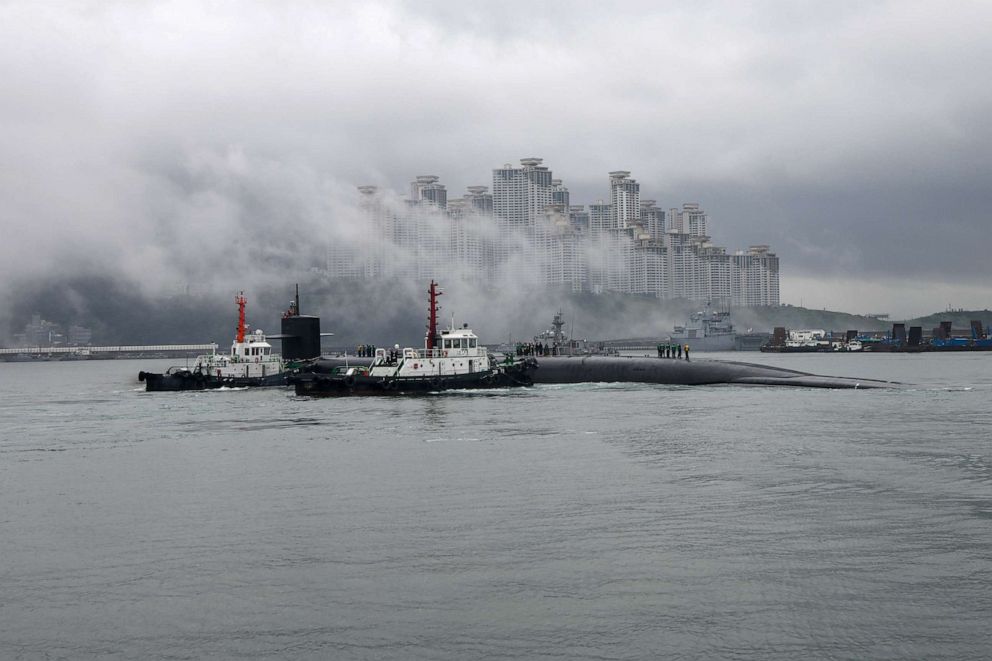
{"points": [[220, 145]]}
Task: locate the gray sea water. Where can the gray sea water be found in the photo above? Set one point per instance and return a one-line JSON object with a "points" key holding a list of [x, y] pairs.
{"points": [[597, 521]]}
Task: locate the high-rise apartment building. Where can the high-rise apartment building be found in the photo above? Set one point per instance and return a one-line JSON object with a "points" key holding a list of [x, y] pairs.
{"points": [[559, 194], [648, 268], [470, 240], [715, 274], [359, 250], [625, 199], [652, 219], [690, 219], [579, 217], [521, 194], [684, 267], [480, 200], [755, 277], [426, 189], [563, 265], [601, 218]]}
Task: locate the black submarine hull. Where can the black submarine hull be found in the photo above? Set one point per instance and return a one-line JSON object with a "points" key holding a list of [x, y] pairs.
{"points": [[668, 371], [672, 371]]}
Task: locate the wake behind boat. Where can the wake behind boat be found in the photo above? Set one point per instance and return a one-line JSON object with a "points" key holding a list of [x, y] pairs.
{"points": [[451, 359]]}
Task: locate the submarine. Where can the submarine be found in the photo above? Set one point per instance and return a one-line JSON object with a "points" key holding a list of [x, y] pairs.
{"points": [[666, 371], [670, 371]]}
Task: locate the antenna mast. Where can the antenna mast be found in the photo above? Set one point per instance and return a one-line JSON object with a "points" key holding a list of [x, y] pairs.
{"points": [[241, 301], [432, 316]]}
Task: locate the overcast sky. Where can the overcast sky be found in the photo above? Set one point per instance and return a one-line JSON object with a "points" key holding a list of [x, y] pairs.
{"points": [[852, 137]]}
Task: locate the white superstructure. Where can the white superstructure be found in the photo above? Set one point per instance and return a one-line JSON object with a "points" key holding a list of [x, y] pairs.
{"points": [[459, 352], [249, 359]]}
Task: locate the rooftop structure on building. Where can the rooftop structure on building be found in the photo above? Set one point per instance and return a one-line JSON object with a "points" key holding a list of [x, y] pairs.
{"points": [[625, 199], [690, 219], [425, 188]]}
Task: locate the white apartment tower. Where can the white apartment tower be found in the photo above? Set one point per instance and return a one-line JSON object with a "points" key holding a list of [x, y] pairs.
{"points": [[652, 219], [684, 268], [480, 200], [362, 250], [426, 189], [578, 217], [690, 219], [715, 273], [648, 267], [564, 266], [600, 217], [625, 199], [559, 194], [474, 233], [755, 277], [521, 194]]}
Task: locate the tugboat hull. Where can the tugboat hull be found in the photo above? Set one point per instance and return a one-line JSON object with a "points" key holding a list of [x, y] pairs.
{"points": [[324, 385], [185, 380]]}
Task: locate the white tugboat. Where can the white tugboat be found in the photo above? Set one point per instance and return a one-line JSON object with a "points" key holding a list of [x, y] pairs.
{"points": [[250, 363], [450, 359]]}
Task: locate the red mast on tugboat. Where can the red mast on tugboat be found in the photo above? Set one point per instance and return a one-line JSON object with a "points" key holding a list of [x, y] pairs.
{"points": [[432, 333], [241, 301]]}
